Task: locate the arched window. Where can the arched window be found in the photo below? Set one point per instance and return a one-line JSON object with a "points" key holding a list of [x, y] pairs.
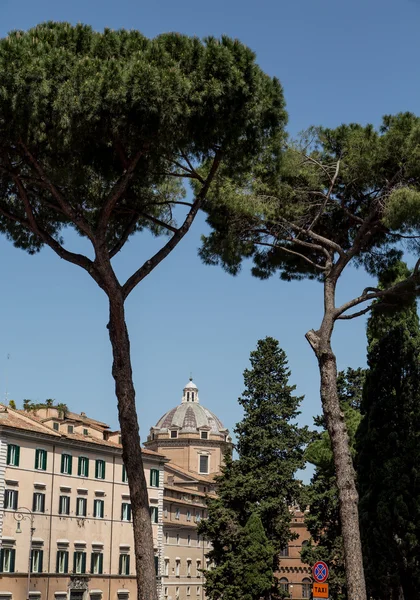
{"points": [[284, 584], [306, 587]]}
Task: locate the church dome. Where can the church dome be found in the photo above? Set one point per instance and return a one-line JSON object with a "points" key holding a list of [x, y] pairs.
{"points": [[190, 416]]}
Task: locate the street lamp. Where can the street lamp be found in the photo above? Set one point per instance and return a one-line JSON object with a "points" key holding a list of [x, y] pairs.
{"points": [[22, 514]]}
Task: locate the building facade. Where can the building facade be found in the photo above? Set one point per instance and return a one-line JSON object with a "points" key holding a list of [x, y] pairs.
{"points": [[62, 476]]}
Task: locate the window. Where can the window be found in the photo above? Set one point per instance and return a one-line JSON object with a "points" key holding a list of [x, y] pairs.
{"points": [[56, 426], [70, 429], [98, 509], [62, 565], [100, 469], [166, 567], [197, 516], [177, 567], [40, 459], [125, 511], [188, 590], [174, 433], [177, 592], [124, 477], [198, 568], [154, 514], [124, 564], [11, 499], [192, 396], [166, 537], [188, 568], [198, 590], [204, 463], [165, 591], [177, 513], [85, 431], [154, 477], [207, 564], [66, 464], [81, 506], [64, 505], [188, 515], [204, 435], [284, 551], [13, 454], [284, 584], [96, 563], [83, 466], [79, 562], [38, 502], [165, 512], [7, 560], [36, 561], [177, 538], [157, 565], [306, 587], [189, 540]]}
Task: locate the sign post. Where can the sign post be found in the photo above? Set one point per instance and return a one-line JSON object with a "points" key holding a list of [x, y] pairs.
{"points": [[320, 573]]}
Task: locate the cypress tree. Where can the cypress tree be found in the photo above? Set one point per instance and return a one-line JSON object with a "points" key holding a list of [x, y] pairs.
{"points": [[270, 447], [388, 453]]}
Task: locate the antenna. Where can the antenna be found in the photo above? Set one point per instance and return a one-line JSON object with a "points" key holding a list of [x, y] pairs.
{"points": [[6, 394]]}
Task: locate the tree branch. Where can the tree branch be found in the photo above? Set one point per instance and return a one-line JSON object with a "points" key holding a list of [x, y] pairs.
{"points": [[159, 222], [327, 197], [116, 193], [356, 314], [290, 251], [31, 224], [124, 237], [63, 203], [157, 258]]}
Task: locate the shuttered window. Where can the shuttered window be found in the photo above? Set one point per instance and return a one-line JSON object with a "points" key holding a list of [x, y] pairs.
{"points": [[13, 455], [40, 459], [62, 565], [66, 464]]}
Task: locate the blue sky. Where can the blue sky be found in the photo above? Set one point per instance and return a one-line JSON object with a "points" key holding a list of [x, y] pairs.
{"points": [[338, 62]]}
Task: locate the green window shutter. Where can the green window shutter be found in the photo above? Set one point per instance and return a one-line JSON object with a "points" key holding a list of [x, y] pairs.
{"points": [[2, 559], [127, 572], [102, 509], [96, 469], [62, 462], [74, 562], [66, 562], [84, 562], [86, 471], [79, 466], [44, 460], [92, 562], [124, 474], [41, 560], [122, 512], [103, 469], [9, 451], [57, 562], [101, 563], [70, 464], [119, 565], [17, 456], [36, 458], [12, 560], [33, 503], [129, 512]]}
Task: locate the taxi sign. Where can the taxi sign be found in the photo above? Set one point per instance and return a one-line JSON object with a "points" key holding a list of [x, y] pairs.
{"points": [[320, 572], [320, 590]]}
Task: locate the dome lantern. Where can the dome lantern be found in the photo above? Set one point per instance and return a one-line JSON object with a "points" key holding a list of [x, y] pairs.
{"points": [[190, 392]]}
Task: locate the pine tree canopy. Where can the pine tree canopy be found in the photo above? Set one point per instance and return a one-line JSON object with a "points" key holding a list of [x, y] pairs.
{"points": [[99, 130], [333, 184]]}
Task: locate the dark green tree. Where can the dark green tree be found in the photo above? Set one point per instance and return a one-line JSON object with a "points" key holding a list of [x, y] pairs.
{"points": [[345, 197], [270, 447], [323, 517], [247, 570], [99, 132], [388, 454]]}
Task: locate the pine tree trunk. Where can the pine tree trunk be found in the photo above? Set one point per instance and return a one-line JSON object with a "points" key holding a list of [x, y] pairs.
{"points": [[345, 475], [124, 389], [320, 342]]}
